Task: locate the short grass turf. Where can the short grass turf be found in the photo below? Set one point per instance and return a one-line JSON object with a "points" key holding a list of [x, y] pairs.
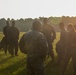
{"points": [[17, 65]]}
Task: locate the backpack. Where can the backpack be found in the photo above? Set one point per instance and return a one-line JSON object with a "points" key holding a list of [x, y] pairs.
{"points": [[59, 47], [22, 44]]}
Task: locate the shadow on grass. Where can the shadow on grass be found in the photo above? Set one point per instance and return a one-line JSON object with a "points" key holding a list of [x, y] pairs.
{"points": [[14, 69], [1, 54], [52, 68], [22, 72], [19, 68], [5, 60]]}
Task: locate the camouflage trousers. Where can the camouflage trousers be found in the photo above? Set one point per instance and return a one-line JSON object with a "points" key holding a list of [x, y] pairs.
{"points": [[35, 67]]}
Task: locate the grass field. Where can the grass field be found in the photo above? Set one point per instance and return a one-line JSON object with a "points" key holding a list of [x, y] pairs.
{"points": [[17, 65]]}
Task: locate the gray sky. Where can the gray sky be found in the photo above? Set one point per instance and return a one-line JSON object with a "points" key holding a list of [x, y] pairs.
{"points": [[36, 8]]}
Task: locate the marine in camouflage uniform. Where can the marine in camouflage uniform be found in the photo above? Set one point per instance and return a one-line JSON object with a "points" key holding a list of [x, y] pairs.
{"points": [[50, 34], [62, 43], [36, 48], [71, 49], [6, 37], [14, 36]]}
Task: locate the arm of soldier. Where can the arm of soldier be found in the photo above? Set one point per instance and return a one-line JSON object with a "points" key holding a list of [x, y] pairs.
{"points": [[62, 37], [4, 30], [54, 34], [43, 45], [18, 33]]}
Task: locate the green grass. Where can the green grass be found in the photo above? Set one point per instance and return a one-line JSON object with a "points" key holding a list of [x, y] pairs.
{"points": [[17, 65]]}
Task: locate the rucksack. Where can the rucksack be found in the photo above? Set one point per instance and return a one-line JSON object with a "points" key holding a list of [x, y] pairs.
{"points": [[59, 47], [22, 44], [25, 43]]}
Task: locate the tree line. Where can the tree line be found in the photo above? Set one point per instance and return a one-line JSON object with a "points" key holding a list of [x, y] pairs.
{"points": [[25, 24]]}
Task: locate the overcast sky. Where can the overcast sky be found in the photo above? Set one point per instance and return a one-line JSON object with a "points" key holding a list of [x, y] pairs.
{"points": [[36, 8]]}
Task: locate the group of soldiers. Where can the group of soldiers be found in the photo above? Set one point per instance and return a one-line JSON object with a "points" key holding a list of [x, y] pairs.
{"points": [[37, 44], [10, 39], [69, 47]]}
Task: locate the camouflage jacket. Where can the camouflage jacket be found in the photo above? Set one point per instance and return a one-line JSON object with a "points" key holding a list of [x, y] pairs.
{"points": [[35, 44], [14, 33]]}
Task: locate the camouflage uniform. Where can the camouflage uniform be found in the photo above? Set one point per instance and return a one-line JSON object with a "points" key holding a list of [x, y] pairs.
{"points": [[14, 36], [50, 35], [6, 37], [36, 47], [61, 45]]}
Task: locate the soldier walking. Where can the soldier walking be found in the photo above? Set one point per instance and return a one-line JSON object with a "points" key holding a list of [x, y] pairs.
{"points": [[71, 49]]}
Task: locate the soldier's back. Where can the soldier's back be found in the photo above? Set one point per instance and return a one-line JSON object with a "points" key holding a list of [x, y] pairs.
{"points": [[13, 32], [32, 43], [47, 30]]}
